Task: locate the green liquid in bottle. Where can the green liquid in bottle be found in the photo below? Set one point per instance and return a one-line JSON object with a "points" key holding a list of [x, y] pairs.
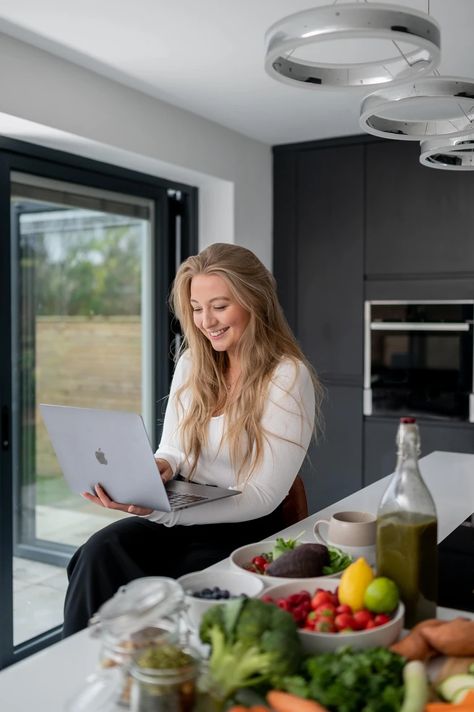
{"points": [[407, 554]]}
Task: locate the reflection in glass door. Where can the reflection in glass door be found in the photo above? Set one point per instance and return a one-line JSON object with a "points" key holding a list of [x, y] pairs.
{"points": [[82, 268]]}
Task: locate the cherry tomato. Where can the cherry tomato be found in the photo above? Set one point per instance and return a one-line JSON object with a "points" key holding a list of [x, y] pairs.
{"points": [[343, 621], [381, 619], [362, 617], [369, 625], [260, 562], [321, 597]]}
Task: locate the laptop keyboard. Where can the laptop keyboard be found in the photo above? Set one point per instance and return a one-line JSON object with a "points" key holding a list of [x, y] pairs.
{"points": [[181, 500]]}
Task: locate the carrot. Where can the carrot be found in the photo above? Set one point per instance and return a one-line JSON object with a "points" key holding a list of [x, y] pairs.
{"points": [[238, 708], [448, 707], [284, 702], [468, 699]]}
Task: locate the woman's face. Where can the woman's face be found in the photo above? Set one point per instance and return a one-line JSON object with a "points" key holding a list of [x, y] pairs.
{"points": [[216, 313]]}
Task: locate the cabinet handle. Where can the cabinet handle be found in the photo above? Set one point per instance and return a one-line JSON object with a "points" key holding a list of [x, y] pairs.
{"points": [[418, 326]]}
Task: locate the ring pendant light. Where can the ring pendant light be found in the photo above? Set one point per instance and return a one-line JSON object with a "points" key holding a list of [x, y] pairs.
{"points": [[411, 41], [427, 108], [451, 154]]}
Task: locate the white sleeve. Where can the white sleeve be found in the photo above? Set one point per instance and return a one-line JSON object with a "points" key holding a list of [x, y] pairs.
{"points": [[169, 447], [288, 422]]}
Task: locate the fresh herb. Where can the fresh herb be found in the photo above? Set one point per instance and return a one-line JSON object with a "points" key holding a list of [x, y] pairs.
{"points": [[352, 681], [338, 561], [284, 545]]}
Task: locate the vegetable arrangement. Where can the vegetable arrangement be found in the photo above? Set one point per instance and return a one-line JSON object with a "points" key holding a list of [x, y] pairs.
{"points": [[290, 559]]}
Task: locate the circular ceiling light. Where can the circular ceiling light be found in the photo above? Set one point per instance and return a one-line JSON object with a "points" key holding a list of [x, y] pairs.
{"points": [[357, 45], [427, 108], [451, 154]]}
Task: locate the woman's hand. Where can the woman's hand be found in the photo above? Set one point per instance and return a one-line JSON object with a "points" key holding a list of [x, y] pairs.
{"points": [[165, 469], [103, 500]]}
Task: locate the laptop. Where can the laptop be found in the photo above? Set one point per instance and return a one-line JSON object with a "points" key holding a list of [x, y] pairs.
{"points": [[111, 448]]}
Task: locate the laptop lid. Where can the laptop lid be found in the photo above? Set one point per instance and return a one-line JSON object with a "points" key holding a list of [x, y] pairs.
{"points": [[112, 448]]}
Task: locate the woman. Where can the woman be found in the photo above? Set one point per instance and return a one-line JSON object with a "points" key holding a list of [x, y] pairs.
{"points": [[240, 414]]}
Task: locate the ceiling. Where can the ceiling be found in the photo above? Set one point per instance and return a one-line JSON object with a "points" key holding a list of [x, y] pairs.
{"points": [[207, 56]]}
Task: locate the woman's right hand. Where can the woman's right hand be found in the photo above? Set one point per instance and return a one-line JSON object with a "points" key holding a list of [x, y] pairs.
{"points": [[165, 469]]}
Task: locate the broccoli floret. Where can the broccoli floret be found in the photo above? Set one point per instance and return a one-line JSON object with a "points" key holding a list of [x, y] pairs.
{"points": [[261, 646]]}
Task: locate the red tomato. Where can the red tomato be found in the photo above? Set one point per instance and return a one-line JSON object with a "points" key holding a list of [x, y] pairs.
{"points": [[344, 608], [321, 597], [369, 625], [260, 562], [328, 610], [324, 625], [381, 619], [362, 617], [343, 621]]}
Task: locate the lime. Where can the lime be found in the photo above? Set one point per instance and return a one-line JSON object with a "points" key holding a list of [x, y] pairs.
{"points": [[381, 595], [353, 584]]}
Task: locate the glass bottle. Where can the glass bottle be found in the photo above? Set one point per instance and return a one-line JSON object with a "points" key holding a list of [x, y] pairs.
{"points": [[143, 612], [407, 531]]}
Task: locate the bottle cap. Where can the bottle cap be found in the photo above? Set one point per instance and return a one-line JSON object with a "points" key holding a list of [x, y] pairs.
{"points": [[408, 420]]}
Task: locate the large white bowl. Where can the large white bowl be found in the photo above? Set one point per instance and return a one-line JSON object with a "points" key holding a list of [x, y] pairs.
{"points": [[314, 642], [243, 555], [235, 582]]}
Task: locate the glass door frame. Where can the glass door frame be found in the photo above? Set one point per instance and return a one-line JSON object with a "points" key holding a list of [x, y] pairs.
{"points": [[174, 238]]}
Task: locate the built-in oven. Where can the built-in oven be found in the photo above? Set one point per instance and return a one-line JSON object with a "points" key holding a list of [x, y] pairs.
{"points": [[419, 359]]}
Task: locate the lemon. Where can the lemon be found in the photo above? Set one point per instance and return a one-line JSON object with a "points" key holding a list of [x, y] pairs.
{"points": [[381, 595], [353, 584]]}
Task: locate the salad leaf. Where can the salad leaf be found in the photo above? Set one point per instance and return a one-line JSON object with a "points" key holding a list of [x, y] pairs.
{"points": [[284, 545], [338, 561]]}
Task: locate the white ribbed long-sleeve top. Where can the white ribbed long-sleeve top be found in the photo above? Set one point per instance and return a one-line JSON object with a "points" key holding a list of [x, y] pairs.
{"points": [[287, 421]]}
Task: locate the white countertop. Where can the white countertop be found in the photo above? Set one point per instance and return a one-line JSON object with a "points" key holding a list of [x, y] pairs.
{"points": [[46, 680]]}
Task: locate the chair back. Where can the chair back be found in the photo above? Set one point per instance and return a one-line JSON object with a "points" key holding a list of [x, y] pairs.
{"points": [[295, 504]]}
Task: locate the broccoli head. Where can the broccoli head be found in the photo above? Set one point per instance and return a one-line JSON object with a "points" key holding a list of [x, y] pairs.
{"points": [[251, 644]]}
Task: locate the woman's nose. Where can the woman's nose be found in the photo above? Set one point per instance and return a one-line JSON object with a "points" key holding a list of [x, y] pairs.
{"points": [[208, 319]]}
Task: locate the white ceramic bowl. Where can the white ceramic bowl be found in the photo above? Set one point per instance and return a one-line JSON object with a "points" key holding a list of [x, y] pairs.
{"points": [[243, 556], [313, 642], [235, 582]]}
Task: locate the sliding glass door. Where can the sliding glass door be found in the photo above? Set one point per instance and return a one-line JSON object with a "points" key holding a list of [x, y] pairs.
{"points": [[89, 270]]}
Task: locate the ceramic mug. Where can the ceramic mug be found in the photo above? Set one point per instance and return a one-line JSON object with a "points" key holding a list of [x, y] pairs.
{"points": [[347, 529]]}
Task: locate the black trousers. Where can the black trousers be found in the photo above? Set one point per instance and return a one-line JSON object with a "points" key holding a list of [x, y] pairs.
{"points": [[135, 547]]}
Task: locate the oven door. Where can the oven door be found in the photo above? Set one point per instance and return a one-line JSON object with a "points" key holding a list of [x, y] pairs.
{"points": [[420, 368]]}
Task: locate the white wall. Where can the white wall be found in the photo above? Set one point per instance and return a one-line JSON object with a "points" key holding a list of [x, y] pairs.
{"points": [[51, 101]]}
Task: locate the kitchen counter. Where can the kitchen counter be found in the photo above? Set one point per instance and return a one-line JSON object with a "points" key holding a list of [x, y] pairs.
{"points": [[46, 680]]}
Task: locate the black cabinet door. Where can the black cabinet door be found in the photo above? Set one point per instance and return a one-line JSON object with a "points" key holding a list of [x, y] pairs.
{"points": [[333, 468], [380, 450], [329, 259], [420, 221]]}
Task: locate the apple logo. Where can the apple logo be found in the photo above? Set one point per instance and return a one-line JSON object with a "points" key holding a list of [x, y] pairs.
{"points": [[100, 456]]}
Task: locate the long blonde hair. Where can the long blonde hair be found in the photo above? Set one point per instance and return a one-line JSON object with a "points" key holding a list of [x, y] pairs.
{"points": [[266, 340]]}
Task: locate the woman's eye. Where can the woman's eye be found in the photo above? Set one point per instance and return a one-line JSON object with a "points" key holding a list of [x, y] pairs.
{"points": [[220, 308], [197, 310]]}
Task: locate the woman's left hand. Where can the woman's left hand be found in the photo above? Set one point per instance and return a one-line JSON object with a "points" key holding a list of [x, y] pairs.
{"points": [[103, 500]]}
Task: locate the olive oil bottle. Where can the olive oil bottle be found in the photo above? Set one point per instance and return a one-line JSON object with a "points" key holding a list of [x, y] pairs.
{"points": [[407, 531]]}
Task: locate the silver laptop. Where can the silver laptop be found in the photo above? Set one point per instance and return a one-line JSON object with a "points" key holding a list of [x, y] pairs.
{"points": [[111, 448]]}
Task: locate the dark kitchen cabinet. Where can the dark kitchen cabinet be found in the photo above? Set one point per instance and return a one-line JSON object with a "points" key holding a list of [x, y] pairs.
{"points": [[419, 220], [329, 260], [380, 451], [333, 468]]}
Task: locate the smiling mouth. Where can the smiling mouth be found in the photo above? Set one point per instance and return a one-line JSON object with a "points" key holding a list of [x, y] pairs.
{"points": [[217, 334]]}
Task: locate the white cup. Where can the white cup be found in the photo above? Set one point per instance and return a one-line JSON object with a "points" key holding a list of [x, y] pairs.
{"points": [[353, 532]]}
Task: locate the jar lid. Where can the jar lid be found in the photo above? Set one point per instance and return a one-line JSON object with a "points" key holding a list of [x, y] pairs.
{"points": [[138, 603]]}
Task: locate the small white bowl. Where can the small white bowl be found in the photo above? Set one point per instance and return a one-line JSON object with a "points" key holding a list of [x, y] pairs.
{"points": [[236, 583], [314, 642], [242, 556]]}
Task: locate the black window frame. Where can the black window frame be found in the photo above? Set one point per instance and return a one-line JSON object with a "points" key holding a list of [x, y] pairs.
{"points": [[175, 204]]}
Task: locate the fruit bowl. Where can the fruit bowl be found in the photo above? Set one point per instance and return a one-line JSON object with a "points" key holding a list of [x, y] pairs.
{"points": [[242, 557], [317, 642], [236, 583]]}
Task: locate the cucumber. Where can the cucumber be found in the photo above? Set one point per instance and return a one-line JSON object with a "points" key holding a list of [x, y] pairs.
{"points": [[452, 684], [459, 695]]}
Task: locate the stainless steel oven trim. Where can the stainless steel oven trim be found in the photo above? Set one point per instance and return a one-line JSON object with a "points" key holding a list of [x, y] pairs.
{"points": [[419, 326]]}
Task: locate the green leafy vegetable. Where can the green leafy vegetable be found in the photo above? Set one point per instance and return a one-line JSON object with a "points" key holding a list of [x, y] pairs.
{"points": [[283, 545], [352, 681], [252, 644], [338, 561]]}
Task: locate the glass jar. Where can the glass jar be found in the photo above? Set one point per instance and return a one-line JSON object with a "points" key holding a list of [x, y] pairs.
{"points": [[164, 679], [145, 611]]}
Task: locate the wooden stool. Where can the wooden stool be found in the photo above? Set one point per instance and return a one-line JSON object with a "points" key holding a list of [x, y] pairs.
{"points": [[295, 504]]}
